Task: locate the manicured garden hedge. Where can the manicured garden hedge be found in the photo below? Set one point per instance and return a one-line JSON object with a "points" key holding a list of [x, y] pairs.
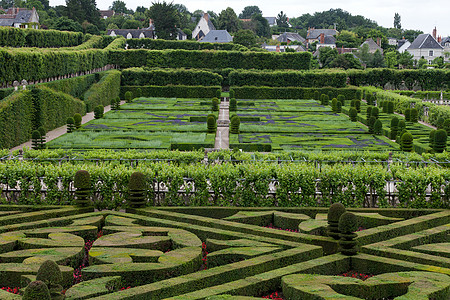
{"points": [[210, 59], [177, 91], [161, 77], [102, 92], [336, 79], [425, 79], [159, 44], [16, 37], [75, 87], [254, 92], [436, 95], [5, 92]]}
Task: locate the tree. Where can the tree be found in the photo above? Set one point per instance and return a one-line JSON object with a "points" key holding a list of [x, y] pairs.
{"points": [[228, 20], [166, 19], [326, 56], [36, 4], [262, 27], [141, 9], [346, 61], [245, 38], [119, 7], [421, 64], [347, 39], [282, 20], [83, 10], [249, 11], [377, 60], [391, 59], [131, 24], [397, 21], [405, 60], [66, 24]]}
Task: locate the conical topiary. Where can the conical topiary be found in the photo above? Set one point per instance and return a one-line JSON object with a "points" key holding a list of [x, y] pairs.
{"points": [[348, 224], [51, 275], [408, 115], [371, 123], [378, 127], [339, 106], [235, 123], [368, 112], [70, 124], [375, 112], [215, 104], [36, 290], [82, 183], [334, 213], [334, 105], [390, 107], [440, 140], [36, 140], [358, 105], [77, 118], [211, 124], [233, 104], [353, 114], [341, 99], [394, 128], [137, 187], [407, 142]]}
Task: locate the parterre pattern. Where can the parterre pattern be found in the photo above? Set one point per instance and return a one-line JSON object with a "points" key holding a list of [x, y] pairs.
{"points": [[225, 253]]}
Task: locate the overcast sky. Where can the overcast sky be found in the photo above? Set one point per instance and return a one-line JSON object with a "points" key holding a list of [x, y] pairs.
{"points": [[415, 14]]}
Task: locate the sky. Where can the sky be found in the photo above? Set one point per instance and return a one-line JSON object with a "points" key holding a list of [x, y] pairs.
{"points": [[415, 14]]}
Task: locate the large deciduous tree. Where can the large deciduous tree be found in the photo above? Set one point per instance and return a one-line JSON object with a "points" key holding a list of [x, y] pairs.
{"points": [[228, 20], [83, 10], [249, 11], [245, 38], [166, 19], [282, 20], [397, 21], [119, 7]]}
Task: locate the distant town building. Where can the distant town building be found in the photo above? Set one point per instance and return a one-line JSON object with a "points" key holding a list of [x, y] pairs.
{"points": [[217, 36], [313, 34], [289, 37], [272, 21], [402, 45], [282, 48], [373, 47], [426, 46], [204, 26], [20, 18], [326, 41], [105, 14], [147, 33]]}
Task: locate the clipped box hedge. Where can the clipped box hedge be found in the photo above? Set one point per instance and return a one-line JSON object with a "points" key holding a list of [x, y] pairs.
{"points": [[17, 37], [171, 91], [160, 44], [262, 92], [102, 92]]}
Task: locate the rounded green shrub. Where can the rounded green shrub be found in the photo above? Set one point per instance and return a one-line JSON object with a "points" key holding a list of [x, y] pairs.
{"points": [[137, 187], [36, 140], [440, 123], [358, 105], [378, 127], [211, 124], [348, 224], [70, 124], [407, 113], [431, 139], [36, 290], [371, 124], [407, 142], [232, 94], [369, 112], [341, 98], [49, 273], [98, 112], [82, 183], [353, 103], [42, 131], [394, 128], [334, 213], [353, 114], [414, 115], [358, 95], [440, 140], [390, 109], [334, 105], [375, 112], [219, 94], [339, 106], [316, 95], [233, 104], [128, 96], [369, 99], [215, 104], [77, 118], [235, 124]]}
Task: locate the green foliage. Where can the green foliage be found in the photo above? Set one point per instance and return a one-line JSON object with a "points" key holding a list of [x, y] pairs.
{"points": [[440, 140], [316, 95], [215, 104], [17, 37], [334, 105], [49, 273], [228, 20], [335, 211], [341, 98], [407, 142], [369, 112], [211, 124], [378, 127], [138, 182], [161, 77], [160, 44], [219, 94], [339, 107], [70, 124], [36, 290], [394, 128], [76, 87], [369, 99], [102, 92], [324, 99], [358, 105], [233, 104], [414, 116], [353, 113], [375, 112], [235, 124], [82, 180], [35, 140], [98, 112], [77, 118], [245, 37], [371, 124], [177, 91], [431, 138], [440, 123], [232, 94], [408, 115], [390, 107], [209, 59], [348, 222]]}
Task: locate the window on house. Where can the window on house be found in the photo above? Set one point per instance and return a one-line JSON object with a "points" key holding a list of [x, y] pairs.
{"points": [[430, 53], [22, 26], [430, 61]]}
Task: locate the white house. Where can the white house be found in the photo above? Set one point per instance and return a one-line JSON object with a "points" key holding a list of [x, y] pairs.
{"points": [[402, 45], [445, 42], [426, 46], [20, 18], [203, 27]]}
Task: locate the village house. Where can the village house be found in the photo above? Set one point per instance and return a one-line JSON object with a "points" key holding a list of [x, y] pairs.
{"points": [[313, 35], [217, 36], [326, 41], [203, 27], [373, 47], [426, 46], [20, 18]]}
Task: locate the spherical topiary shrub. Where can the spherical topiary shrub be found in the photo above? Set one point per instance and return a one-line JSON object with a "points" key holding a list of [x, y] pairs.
{"points": [[82, 183], [98, 112], [375, 112], [36, 140], [440, 140], [369, 112], [341, 99], [233, 104], [390, 109], [232, 94], [316, 95], [215, 104], [431, 139], [36, 290], [235, 124], [137, 187], [211, 124], [138, 92], [348, 224], [70, 124], [77, 118], [407, 142], [128, 96], [49, 273], [414, 115], [339, 106], [378, 127], [334, 105], [334, 213], [407, 115], [369, 99], [440, 123], [371, 123], [353, 113], [358, 105], [219, 94], [394, 128]]}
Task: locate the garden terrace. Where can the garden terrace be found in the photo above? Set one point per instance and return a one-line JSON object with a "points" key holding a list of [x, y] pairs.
{"points": [[211, 252]]}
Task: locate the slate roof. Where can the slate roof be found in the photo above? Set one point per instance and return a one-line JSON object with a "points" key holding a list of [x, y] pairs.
{"points": [[372, 45], [135, 33], [272, 20], [292, 36], [217, 36], [315, 33], [445, 40], [20, 16], [106, 13], [425, 41], [329, 40]]}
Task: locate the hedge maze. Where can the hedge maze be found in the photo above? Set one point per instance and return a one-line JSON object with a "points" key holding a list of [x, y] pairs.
{"points": [[224, 253]]}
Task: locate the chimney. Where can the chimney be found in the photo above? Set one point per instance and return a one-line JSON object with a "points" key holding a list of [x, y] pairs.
{"points": [[379, 42], [322, 38], [439, 39], [150, 22], [278, 48], [206, 16], [434, 32]]}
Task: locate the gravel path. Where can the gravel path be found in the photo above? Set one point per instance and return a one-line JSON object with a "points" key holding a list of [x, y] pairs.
{"points": [[223, 128]]}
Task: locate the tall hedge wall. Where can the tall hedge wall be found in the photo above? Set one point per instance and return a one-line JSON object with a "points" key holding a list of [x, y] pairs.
{"points": [[177, 91], [159, 44], [20, 64], [76, 87], [102, 92], [139, 76], [5, 92], [432, 79], [210, 59], [254, 92], [16, 37], [288, 78]]}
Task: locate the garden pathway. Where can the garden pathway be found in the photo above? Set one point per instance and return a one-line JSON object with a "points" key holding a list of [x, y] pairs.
{"points": [[223, 126], [51, 135]]}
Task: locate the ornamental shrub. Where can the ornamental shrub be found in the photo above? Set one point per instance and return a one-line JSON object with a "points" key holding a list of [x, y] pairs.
{"points": [[36, 290], [348, 224], [334, 213], [358, 95], [211, 124], [369, 100], [219, 94], [42, 132], [137, 187], [375, 112], [49, 273], [215, 104], [82, 183], [70, 125], [98, 112], [233, 104], [408, 115], [358, 105], [339, 106], [334, 105], [235, 124], [353, 114], [316, 95], [431, 139], [440, 141], [341, 98], [385, 106], [77, 118], [371, 124], [440, 123], [36, 140], [322, 99], [232, 94], [446, 126], [128, 96], [353, 103], [330, 95], [326, 99], [138, 92], [368, 112], [378, 127], [390, 109], [407, 142], [394, 128], [414, 115]]}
